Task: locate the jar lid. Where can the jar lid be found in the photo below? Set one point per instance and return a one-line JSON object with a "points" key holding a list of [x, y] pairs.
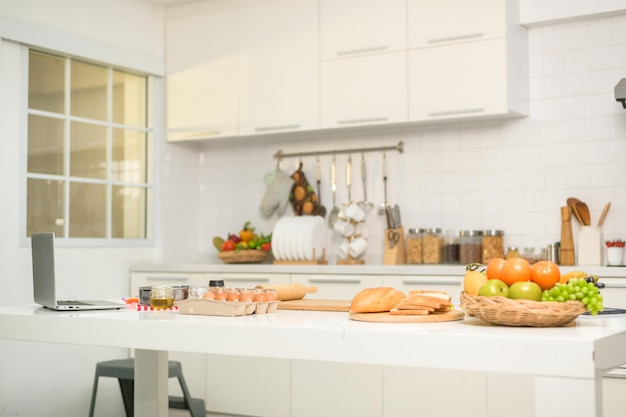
{"points": [[493, 232], [216, 283], [470, 233], [435, 230]]}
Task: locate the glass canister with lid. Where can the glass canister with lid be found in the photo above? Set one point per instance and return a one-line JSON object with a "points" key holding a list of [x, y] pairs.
{"points": [[493, 245], [470, 246], [432, 246], [450, 247], [414, 246]]}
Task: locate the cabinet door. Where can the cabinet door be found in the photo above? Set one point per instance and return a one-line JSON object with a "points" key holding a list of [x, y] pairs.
{"points": [[336, 287], [355, 27], [364, 90], [202, 75], [145, 279], [614, 293], [456, 81], [242, 280], [453, 285], [336, 389], [447, 21], [279, 67]]}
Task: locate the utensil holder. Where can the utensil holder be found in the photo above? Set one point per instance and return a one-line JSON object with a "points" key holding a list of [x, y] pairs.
{"points": [[395, 253], [589, 246]]}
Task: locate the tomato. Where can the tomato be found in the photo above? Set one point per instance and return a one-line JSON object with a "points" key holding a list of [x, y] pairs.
{"points": [[515, 270], [228, 245], [267, 246], [545, 274], [494, 268]]}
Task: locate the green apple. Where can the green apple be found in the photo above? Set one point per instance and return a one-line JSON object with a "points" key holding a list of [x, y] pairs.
{"points": [[494, 287], [525, 291]]}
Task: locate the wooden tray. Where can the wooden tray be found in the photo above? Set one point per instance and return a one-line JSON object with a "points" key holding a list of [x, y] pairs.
{"points": [[426, 318], [315, 305]]}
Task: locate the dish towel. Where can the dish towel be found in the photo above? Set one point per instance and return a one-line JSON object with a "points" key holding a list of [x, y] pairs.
{"points": [[276, 195]]}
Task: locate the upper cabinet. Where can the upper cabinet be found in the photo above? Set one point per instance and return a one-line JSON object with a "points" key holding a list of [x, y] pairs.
{"points": [[278, 67], [201, 83], [441, 22], [356, 27]]}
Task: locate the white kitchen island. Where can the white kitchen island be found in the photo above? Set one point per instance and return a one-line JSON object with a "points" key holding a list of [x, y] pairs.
{"points": [[567, 362]]}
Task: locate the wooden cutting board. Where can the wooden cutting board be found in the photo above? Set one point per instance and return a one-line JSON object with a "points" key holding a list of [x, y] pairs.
{"points": [[426, 318], [315, 305]]}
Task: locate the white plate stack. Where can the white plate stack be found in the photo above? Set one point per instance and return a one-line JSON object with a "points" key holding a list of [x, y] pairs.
{"points": [[299, 238]]}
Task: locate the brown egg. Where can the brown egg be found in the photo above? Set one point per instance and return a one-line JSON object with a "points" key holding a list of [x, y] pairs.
{"points": [[232, 296], [246, 296], [259, 297], [270, 295], [209, 295], [220, 296]]}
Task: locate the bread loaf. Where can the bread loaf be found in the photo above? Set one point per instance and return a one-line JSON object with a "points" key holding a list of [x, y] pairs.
{"points": [[376, 300]]}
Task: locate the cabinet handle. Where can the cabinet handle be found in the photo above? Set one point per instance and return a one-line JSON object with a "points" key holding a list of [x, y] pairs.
{"points": [[282, 127], [335, 281], [430, 282], [613, 285], [154, 278], [458, 111], [362, 50], [196, 135], [364, 120], [244, 279], [455, 38]]}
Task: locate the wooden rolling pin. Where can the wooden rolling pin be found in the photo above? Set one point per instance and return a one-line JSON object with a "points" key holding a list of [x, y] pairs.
{"points": [[567, 239], [286, 292]]}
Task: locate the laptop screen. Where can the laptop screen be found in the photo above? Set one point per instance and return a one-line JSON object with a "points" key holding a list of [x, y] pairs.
{"points": [[43, 268]]}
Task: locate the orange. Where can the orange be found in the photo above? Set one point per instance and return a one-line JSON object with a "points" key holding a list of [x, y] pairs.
{"points": [[545, 274], [515, 270], [494, 268]]}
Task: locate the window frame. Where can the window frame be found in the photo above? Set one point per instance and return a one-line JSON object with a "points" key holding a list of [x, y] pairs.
{"points": [[150, 130]]}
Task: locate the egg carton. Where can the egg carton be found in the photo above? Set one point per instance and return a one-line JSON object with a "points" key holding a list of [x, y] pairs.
{"points": [[207, 307]]}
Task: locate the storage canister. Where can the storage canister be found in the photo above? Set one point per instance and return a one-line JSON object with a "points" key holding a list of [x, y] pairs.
{"points": [[493, 245], [451, 247], [414, 241], [470, 246], [432, 246]]}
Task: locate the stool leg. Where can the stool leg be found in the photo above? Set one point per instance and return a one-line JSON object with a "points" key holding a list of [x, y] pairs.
{"points": [[127, 386], [188, 399], [94, 390]]}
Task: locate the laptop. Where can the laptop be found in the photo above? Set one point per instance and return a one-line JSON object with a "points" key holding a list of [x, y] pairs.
{"points": [[44, 286]]}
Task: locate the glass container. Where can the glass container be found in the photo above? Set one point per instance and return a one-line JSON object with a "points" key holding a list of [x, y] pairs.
{"points": [[432, 246], [493, 245], [470, 246]]}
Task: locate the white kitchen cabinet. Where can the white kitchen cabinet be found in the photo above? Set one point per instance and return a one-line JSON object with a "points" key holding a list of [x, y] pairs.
{"points": [[201, 79], [247, 280], [357, 27], [336, 287], [466, 80], [453, 285], [278, 67], [364, 90], [440, 22], [153, 279]]}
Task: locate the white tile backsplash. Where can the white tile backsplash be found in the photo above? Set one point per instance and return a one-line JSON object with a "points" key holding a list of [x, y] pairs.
{"points": [[505, 174]]}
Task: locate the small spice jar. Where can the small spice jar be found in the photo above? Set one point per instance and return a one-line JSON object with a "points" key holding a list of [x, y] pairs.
{"points": [[493, 245], [451, 248], [432, 246], [414, 244], [512, 252], [470, 246]]}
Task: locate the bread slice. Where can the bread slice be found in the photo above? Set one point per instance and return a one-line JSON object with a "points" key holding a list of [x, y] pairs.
{"points": [[376, 300], [417, 312]]}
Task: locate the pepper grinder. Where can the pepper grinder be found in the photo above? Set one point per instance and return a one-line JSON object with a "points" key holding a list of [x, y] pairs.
{"points": [[567, 240]]}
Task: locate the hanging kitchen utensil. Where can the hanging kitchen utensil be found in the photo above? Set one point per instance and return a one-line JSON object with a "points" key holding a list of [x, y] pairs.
{"points": [[571, 202], [583, 211], [605, 210], [366, 205], [349, 178], [302, 196], [383, 206], [334, 212], [321, 210]]}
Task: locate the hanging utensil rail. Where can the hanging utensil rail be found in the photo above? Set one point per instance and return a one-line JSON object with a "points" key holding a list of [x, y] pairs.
{"points": [[399, 147]]}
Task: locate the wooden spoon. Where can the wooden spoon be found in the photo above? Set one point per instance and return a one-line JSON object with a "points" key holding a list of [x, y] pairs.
{"points": [[603, 215], [583, 211], [571, 202]]}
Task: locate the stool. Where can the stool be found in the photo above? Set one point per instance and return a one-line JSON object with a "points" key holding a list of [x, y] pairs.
{"points": [[124, 371]]}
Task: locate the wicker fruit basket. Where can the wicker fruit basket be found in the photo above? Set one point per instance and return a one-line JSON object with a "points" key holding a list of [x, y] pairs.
{"points": [[509, 312], [245, 256]]}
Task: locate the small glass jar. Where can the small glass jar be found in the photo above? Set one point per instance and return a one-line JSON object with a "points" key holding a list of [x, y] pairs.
{"points": [[512, 252], [162, 297], [470, 246], [451, 248], [414, 245], [432, 246], [493, 245]]}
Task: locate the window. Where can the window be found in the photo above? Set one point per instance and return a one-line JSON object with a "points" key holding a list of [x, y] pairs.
{"points": [[89, 149]]}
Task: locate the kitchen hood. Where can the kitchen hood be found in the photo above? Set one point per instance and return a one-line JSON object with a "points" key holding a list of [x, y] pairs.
{"points": [[620, 92]]}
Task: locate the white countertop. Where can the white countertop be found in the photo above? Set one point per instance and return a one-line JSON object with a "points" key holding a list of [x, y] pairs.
{"points": [[365, 269]]}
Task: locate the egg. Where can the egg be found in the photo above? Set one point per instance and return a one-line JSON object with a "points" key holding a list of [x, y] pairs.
{"points": [[246, 296], [232, 296], [220, 296], [270, 296], [209, 295], [259, 297]]}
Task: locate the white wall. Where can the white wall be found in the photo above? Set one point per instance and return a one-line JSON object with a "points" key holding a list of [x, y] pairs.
{"points": [[55, 380], [504, 174]]}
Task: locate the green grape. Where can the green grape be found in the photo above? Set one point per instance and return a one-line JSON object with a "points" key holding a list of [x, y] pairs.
{"points": [[576, 289]]}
